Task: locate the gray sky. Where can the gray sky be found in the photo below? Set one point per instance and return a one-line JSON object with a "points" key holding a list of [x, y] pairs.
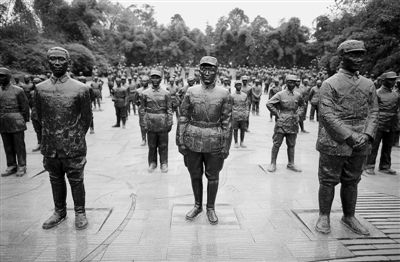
{"points": [[197, 13]]}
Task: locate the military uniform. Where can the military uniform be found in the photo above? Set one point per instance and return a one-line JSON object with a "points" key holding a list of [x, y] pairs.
{"points": [[314, 100], [132, 90], [287, 106], [64, 111], [120, 98], [14, 113], [204, 134], [240, 115], [388, 102], [256, 93], [348, 112], [96, 88], [157, 108]]}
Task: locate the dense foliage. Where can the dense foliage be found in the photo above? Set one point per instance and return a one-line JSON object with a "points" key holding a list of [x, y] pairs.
{"points": [[101, 33]]}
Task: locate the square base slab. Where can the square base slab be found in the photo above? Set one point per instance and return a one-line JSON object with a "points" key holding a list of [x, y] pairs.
{"points": [[226, 216], [338, 230]]}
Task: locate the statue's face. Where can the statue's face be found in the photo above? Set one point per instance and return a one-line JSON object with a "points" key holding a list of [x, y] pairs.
{"points": [[155, 80], [58, 64], [191, 82], [290, 84], [238, 87], [244, 82], [208, 74], [389, 82], [352, 61], [144, 83], [4, 79]]}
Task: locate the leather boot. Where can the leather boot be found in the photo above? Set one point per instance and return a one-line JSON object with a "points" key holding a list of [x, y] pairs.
{"points": [[152, 167], [212, 189], [21, 171], [348, 195], [55, 219], [326, 195], [118, 124], [197, 186], [81, 221], [164, 168], [9, 171], [274, 155], [124, 122], [291, 165], [212, 217]]}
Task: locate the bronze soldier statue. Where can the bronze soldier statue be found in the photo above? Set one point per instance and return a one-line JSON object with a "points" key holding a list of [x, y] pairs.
{"points": [[14, 113], [96, 87], [144, 84], [120, 98], [204, 135], [347, 126], [240, 113], [256, 93], [389, 103], [157, 108], [287, 106], [314, 100], [64, 111]]}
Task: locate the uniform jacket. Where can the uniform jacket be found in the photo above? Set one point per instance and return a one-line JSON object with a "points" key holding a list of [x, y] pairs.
{"points": [[240, 106], [348, 104], [96, 87], [256, 92], [120, 96], [157, 109], [14, 109], [64, 111], [287, 106], [388, 102], [314, 95], [205, 121]]}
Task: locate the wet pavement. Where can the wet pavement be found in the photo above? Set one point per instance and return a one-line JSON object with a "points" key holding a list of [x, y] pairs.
{"points": [[139, 216]]}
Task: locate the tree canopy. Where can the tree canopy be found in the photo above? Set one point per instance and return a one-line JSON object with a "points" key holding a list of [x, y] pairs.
{"points": [[105, 32]]}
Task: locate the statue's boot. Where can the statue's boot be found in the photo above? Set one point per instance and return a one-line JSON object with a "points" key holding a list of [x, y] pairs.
{"points": [[59, 189], [81, 221], [291, 165], [274, 155], [326, 195], [212, 189], [197, 186], [78, 195], [348, 194]]}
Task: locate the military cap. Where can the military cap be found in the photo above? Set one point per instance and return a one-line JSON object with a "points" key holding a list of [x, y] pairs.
{"points": [[58, 51], [291, 78], [238, 82], [319, 81], [389, 75], [351, 46], [145, 78], [190, 78], [245, 78], [257, 80], [5, 71], [37, 80], [129, 78], [123, 77], [209, 60], [116, 79], [155, 72]]}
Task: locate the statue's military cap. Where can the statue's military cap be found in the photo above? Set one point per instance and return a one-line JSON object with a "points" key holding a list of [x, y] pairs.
{"points": [[351, 46]]}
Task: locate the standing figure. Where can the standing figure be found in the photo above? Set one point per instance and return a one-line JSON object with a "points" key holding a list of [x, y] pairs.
{"points": [[256, 93], [287, 106], [240, 113], [157, 108], [110, 82], [144, 82], [173, 89], [120, 98], [274, 89], [14, 113], [132, 86], [388, 102], [64, 111], [304, 92], [347, 125], [204, 135], [314, 100], [96, 87]]}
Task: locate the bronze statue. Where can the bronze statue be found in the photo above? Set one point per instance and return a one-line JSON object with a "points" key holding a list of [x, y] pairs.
{"points": [[14, 113], [204, 135], [63, 108], [120, 98], [287, 106], [157, 107], [347, 126], [240, 113]]}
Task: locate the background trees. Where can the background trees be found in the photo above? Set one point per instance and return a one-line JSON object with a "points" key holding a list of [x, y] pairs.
{"points": [[102, 32]]}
